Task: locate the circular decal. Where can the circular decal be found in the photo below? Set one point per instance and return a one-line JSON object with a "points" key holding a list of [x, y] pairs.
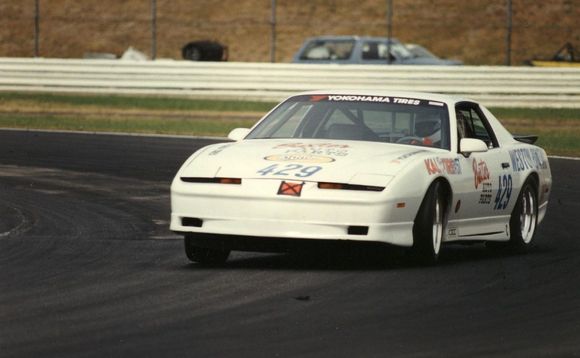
{"points": [[299, 158]]}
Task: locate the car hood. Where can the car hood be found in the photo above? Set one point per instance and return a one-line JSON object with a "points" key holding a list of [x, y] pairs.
{"points": [[350, 162]]}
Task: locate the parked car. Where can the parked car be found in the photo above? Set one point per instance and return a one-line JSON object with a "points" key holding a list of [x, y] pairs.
{"points": [[360, 50], [205, 51], [414, 170], [421, 52], [566, 56]]}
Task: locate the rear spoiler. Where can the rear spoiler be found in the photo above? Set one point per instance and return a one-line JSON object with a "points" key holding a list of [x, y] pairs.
{"points": [[530, 139]]}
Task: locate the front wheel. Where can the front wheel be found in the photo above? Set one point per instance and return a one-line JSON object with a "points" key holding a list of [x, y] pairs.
{"points": [[203, 255], [429, 226], [524, 218]]}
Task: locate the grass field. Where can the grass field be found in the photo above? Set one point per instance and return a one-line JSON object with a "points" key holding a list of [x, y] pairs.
{"points": [[559, 129]]}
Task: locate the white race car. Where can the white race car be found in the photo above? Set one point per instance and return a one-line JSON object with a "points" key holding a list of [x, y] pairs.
{"points": [[408, 169]]}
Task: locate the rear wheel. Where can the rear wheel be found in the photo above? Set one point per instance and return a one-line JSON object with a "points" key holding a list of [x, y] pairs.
{"points": [[524, 218], [204, 255], [429, 226]]}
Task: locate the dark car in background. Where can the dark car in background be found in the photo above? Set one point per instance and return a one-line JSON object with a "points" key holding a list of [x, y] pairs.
{"points": [[204, 50], [361, 50]]}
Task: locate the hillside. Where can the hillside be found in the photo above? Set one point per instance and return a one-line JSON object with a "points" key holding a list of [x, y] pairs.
{"points": [[473, 31]]}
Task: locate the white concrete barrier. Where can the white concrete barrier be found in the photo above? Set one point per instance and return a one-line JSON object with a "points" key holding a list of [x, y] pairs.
{"points": [[493, 86]]}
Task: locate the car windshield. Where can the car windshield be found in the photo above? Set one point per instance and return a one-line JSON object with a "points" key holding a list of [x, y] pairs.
{"points": [[359, 117], [399, 51], [420, 51], [328, 50]]}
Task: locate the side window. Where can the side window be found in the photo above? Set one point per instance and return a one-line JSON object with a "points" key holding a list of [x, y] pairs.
{"points": [[472, 124], [370, 51], [376, 51], [328, 50]]}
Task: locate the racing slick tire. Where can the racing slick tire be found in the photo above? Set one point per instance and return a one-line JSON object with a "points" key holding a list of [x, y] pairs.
{"points": [[203, 255], [524, 218], [429, 226]]}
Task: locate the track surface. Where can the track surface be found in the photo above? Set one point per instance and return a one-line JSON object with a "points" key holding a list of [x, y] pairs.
{"points": [[88, 268]]}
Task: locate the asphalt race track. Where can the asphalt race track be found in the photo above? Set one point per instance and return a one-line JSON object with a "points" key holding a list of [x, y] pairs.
{"points": [[88, 268]]}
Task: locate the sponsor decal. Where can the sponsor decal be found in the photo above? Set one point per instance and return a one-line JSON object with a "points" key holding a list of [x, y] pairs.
{"points": [[480, 172], [438, 104], [527, 158], [299, 158], [452, 232], [310, 145], [319, 149], [363, 98], [290, 188], [457, 206], [341, 98], [413, 102], [504, 193], [405, 156], [219, 149], [486, 193], [443, 166], [318, 98]]}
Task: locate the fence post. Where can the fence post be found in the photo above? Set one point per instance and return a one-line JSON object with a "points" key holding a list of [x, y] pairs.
{"points": [[508, 37], [153, 29], [389, 28], [273, 28], [36, 27]]}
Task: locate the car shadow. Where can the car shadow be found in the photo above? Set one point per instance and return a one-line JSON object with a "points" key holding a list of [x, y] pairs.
{"points": [[360, 259]]}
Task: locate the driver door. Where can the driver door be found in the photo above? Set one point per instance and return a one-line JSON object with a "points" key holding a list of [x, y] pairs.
{"points": [[485, 188]]}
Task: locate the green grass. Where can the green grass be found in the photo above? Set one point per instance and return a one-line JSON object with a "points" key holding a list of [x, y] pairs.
{"points": [[157, 126], [558, 129], [537, 113], [143, 102]]}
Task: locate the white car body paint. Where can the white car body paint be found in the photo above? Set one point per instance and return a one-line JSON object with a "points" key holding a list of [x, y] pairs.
{"points": [[479, 209]]}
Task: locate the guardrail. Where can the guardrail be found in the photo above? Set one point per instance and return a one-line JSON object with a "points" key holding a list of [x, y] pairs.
{"points": [[493, 86]]}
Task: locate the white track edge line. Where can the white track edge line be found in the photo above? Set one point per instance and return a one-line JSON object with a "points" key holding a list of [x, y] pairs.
{"points": [[169, 136], [114, 133]]}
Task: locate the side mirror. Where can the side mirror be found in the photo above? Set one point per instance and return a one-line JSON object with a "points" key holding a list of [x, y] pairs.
{"points": [[472, 145], [238, 134]]}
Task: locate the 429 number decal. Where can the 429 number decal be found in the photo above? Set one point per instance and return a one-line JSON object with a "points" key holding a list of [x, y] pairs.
{"points": [[296, 170], [502, 199]]}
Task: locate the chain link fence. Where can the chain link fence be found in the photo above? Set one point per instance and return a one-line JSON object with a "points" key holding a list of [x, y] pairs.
{"points": [[478, 32]]}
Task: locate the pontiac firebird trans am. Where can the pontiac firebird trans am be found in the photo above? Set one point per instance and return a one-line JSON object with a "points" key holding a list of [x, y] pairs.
{"points": [[407, 169]]}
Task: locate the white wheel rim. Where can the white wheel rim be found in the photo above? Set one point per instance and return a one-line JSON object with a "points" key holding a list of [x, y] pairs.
{"points": [[437, 233], [528, 216]]}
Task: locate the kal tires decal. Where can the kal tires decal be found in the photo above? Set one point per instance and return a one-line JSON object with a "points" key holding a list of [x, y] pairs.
{"points": [[443, 165]]}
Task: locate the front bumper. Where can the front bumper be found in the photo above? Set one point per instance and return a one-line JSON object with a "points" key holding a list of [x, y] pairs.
{"points": [[254, 210]]}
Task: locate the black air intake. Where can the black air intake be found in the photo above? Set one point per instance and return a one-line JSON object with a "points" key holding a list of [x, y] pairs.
{"points": [[191, 222]]}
